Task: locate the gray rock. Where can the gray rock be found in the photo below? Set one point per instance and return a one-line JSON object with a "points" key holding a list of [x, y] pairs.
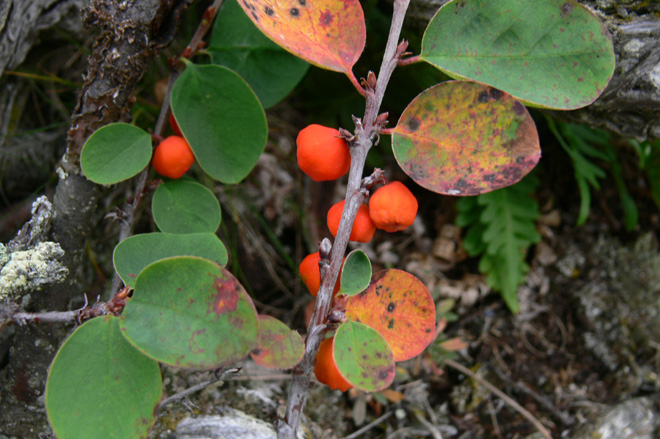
{"points": [[618, 297], [633, 419], [233, 424]]}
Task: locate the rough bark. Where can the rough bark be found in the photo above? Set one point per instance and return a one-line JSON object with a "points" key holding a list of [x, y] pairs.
{"points": [[131, 32], [21, 22], [26, 159], [629, 105]]}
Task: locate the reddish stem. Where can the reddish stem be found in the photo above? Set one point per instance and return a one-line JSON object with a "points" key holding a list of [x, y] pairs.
{"points": [[410, 60], [356, 83]]}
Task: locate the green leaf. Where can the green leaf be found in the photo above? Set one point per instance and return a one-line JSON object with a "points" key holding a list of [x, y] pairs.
{"points": [[501, 227], [363, 357], [355, 273], [279, 346], [134, 253], [222, 120], [115, 152], [326, 33], [99, 386], [192, 313], [400, 308], [184, 206], [238, 44], [464, 138], [549, 53]]}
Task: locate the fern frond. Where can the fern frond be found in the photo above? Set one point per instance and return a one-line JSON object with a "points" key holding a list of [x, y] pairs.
{"points": [[649, 159], [501, 227], [583, 145]]}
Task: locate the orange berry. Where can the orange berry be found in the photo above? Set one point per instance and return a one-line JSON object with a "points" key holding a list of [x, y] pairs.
{"points": [[322, 154], [175, 126], [326, 370], [173, 157], [310, 272], [363, 228], [393, 207]]}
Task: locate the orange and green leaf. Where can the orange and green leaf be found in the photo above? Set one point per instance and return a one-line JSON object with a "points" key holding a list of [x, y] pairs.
{"points": [[279, 346], [400, 308], [327, 33], [465, 138]]}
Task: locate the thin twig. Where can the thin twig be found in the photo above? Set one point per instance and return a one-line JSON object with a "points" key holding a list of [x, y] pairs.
{"points": [[196, 42], [369, 426], [366, 131], [507, 399], [563, 416], [111, 307], [21, 318], [219, 375], [493, 417], [429, 426]]}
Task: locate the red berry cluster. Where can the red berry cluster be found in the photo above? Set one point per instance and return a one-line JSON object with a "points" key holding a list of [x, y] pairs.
{"points": [[324, 155]]}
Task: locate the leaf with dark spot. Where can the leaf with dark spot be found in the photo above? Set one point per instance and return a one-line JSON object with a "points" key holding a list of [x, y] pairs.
{"points": [[363, 357], [481, 131], [402, 314], [327, 33]]}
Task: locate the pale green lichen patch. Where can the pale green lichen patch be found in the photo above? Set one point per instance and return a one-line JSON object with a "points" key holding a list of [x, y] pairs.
{"points": [[31, 270], [4, 255]]}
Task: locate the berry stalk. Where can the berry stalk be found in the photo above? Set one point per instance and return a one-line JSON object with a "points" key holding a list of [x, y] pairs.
{"points": [[367, 131]]}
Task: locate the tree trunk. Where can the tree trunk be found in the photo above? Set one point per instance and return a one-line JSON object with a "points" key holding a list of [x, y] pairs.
{"points": [[131, 33]]}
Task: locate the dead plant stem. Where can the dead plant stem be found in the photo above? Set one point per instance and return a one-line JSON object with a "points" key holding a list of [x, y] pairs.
{"points": [[506, 398]]}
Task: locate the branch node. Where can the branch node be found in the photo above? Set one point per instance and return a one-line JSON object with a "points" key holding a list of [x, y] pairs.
{"points": [[401, 49], [371, 81], [378, 176], [382, 120], [336, 316], [325, 248], [358, 122], [347, 135]]}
